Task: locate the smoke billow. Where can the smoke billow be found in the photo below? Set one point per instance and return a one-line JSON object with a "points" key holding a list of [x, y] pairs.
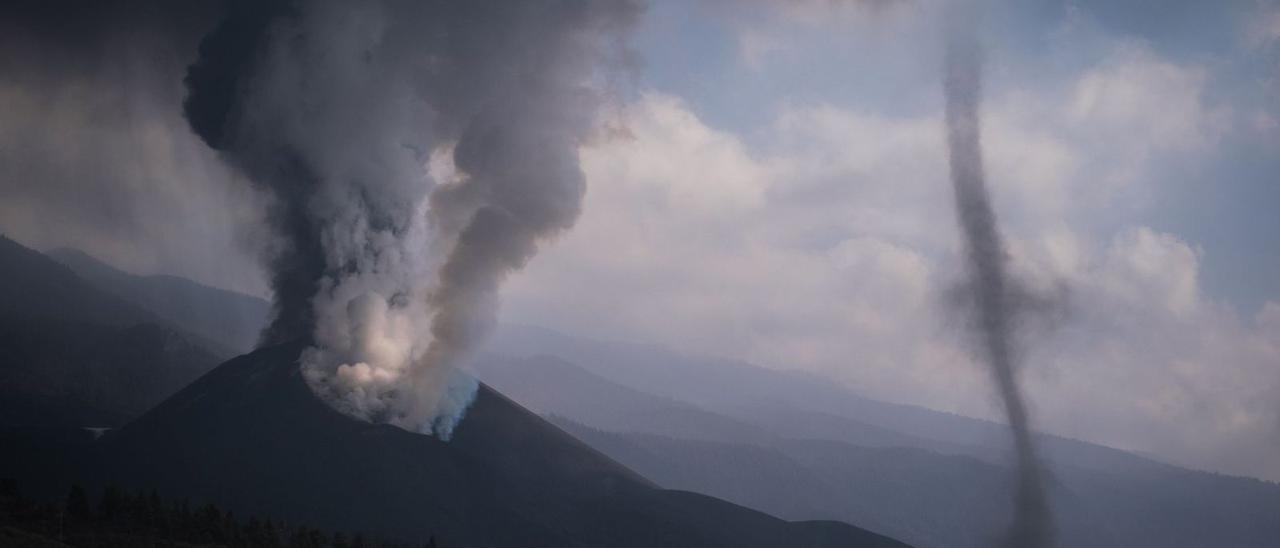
{"points": [[344, 112], [994, 294]]}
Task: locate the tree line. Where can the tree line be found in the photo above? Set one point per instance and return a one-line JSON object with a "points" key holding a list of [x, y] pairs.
{"points": [[121, 518]]}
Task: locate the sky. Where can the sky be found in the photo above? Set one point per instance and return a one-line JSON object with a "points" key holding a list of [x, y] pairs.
{"points": [[769, 182], [775, 189]]}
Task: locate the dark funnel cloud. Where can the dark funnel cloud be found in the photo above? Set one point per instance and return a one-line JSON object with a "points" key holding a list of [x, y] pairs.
{"points": [[993, 305]]}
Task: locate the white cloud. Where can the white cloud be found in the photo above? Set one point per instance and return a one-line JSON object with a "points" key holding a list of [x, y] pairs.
{"points": [[1261, 26], [1135, 90], [767, 31], [1144, 267], [1149, 363], [1096, 141], [828, 243]]}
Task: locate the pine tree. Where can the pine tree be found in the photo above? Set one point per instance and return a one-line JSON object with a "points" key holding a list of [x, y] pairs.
{"points": [[272, 534], [10, 500], [157, 515], [77, 504], [139, 513], [109, 508], [253, 532], [238, 533], [340, 540], [316, 539], [211, 524], [187, 520], [299, 538], [8, 488]]}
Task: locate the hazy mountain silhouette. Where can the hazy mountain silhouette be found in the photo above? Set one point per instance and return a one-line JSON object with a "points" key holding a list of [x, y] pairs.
{"points": [[232, 320], [549, 385], [793, 401], [802, 464], [37, 287], [75, 356], [935, 500]]}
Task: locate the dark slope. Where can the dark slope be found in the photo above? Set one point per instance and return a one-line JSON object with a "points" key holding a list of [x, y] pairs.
{"points": [[232, 320], [71, 355], [251, 437], [56, 374]]}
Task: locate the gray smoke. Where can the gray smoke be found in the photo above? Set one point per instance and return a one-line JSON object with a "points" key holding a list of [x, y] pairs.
{"points": [[994, 294], [418, 152]]}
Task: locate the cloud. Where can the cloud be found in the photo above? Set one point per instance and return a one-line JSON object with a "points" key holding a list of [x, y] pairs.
{"points": [[1150, 363], [763, 29], [825, 242], [1260, 28], [691, 238]]}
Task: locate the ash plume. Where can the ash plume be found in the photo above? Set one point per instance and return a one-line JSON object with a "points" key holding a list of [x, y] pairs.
{"points": [[343, 111], [994, 293]]}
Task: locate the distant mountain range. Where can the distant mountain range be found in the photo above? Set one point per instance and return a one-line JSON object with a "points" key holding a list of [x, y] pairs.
{"points": [[230, 320], [792, 401], [799, 448]]}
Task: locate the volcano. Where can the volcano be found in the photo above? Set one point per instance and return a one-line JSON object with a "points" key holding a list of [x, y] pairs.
{"points": [[251, 436]]}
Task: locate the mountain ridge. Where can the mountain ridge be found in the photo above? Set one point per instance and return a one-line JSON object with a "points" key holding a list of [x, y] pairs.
{"points": [[231, 320], [74, 355]]}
